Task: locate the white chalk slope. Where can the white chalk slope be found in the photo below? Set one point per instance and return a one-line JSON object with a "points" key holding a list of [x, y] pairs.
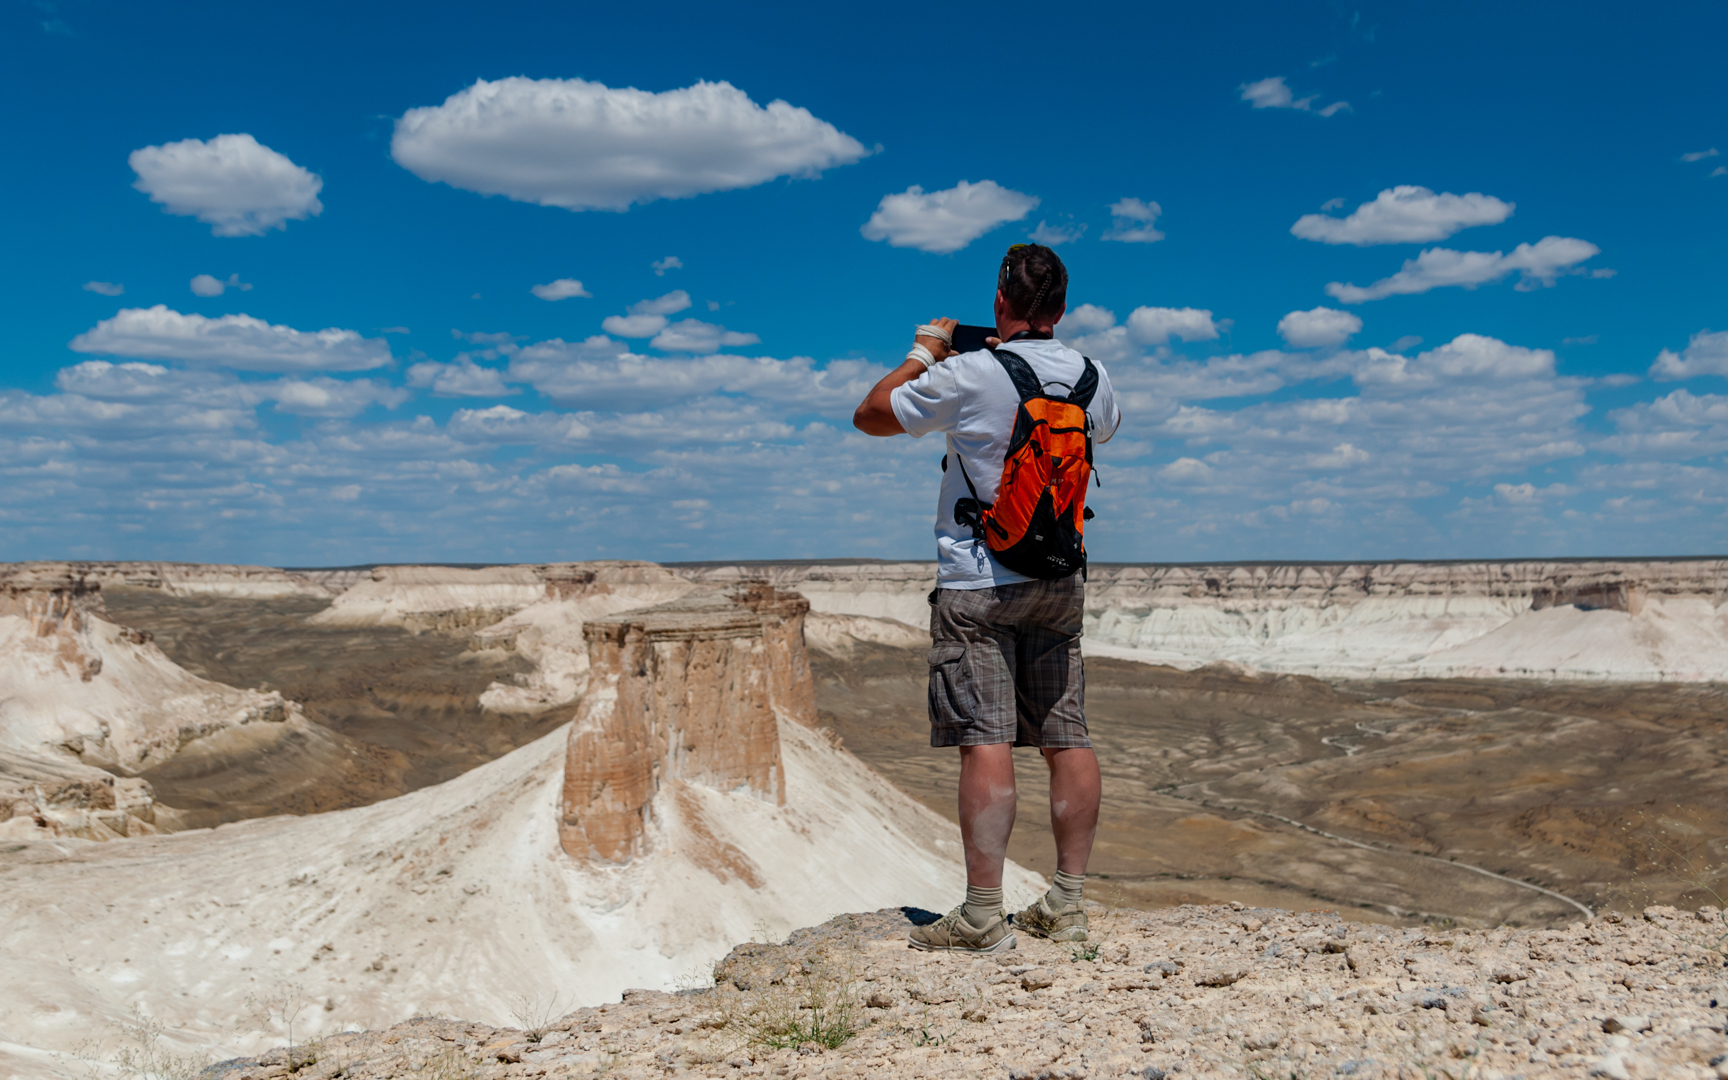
{"points": [[119, 699], [452, 899]]}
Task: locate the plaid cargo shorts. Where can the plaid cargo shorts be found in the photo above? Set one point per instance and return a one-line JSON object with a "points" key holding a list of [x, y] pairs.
{"points": [[1005, 665]]}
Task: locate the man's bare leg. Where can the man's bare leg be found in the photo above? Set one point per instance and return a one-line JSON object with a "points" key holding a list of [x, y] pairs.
{"points": [[987, 805], [1075, 791]]}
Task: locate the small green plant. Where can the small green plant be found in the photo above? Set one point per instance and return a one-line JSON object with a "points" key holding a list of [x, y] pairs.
{"points": [[928, 1036], [1087, 953], [794, 1000]]}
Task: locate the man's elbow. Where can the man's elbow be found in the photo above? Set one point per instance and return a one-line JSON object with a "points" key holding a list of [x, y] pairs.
{"points": [[873, 418]]}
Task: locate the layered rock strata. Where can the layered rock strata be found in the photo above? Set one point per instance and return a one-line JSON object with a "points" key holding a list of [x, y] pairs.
{"points": [[1183, 992], [1654, 619], [685, 692], [85, 705]]}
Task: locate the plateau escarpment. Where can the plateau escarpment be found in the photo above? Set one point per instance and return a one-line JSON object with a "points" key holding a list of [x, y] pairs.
{"points": [[1622, 620], [86, 706]]}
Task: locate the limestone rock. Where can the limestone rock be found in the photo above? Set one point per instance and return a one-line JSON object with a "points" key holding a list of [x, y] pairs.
{"points": [[682, 692]]}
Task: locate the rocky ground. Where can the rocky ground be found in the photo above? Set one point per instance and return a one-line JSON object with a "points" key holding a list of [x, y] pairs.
{"points": [[1193, 991]]}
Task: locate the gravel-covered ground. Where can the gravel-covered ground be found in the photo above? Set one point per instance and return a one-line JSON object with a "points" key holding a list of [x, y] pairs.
{"points": [[1189, 991]]}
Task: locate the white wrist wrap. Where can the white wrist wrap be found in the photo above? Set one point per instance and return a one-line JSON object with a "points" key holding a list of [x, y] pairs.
{"points": [[922, 355], [928, 330]]}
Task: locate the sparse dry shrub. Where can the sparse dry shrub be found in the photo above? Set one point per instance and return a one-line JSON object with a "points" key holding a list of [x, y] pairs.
{"points": [[141, 1054], [777, 997], [447, 1062], [539, 1014]]}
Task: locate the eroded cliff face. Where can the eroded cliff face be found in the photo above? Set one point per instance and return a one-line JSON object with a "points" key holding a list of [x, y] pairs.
{"points": [[685, 692], [85, 705], [1653, 619]]}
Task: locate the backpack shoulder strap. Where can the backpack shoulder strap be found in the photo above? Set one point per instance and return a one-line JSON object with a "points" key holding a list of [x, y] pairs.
{"points": [[1024, 378], [1087, 386]]}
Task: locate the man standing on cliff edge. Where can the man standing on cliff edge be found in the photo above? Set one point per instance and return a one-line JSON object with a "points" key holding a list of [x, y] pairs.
{"points": [[1005, 667]]}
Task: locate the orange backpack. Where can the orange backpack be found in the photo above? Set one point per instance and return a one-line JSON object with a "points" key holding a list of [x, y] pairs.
{"points": [[1035, 526]]}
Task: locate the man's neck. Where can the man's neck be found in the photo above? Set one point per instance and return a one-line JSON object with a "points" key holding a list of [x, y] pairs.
{"points": [[1021, 329]]}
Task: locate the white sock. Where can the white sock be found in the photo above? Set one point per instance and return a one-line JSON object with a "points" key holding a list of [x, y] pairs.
{"points": [[1065, 890], [983, 906]]}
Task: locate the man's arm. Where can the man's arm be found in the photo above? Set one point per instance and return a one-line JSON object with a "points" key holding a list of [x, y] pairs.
{"points": [[875, 415]]}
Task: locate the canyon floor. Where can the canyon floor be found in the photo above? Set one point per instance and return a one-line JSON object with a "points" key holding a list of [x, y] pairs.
{"points": [[1439, 801]]}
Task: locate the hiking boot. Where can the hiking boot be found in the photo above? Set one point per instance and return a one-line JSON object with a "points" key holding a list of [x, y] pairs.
{"points": [[952, 933], [1040, 920]]}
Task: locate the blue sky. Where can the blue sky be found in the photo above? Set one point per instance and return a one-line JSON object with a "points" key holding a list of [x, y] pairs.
{"points": [[1371, 280]]}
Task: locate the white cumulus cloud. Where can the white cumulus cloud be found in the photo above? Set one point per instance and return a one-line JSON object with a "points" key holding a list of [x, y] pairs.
{"points": [[562, 289], [645, 318], [207, 285], [1055, 235], [947, 220], [461, 377], [1537, 265], [1318, 328], [1157, 325], [1405, 214], [233, 183], [584, 146], [696, 336], [1131, 222], [670, 262], [1705, 354], [1699, 155], [233, 341], [104, 288], [1275, 93]]}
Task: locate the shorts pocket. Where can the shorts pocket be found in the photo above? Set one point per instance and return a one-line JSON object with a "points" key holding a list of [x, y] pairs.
{"points": [[953, 695]]}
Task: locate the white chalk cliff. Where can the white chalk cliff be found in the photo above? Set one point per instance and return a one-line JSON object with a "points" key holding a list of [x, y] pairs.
{"points": [[1625, 620], [85, 704]]}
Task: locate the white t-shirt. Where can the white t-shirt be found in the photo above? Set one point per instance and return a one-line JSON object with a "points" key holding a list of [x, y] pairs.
{"points": [[972, 399]]}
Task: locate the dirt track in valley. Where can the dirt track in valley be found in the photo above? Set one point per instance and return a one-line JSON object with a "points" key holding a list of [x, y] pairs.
{"points": [[1603, 794]]}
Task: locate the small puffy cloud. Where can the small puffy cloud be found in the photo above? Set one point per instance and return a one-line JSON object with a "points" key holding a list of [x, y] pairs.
{"points": [[1186, 470], [1131, 222], [1056, 235], [1699, 155], [1318, 328], [562, 289], [1720, 170], [233, 183], [104, 288], [1405, 214], [459, 378], [584, 146], [1342, 456], [234, 341], [1088, 319], [1275, 93], [1408, 341], [1157, 325], [695, 336], [1705, 354], [646, 318], [670, 262], [1537, 265], [328, 397], [947, 220], [206, 285]]}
